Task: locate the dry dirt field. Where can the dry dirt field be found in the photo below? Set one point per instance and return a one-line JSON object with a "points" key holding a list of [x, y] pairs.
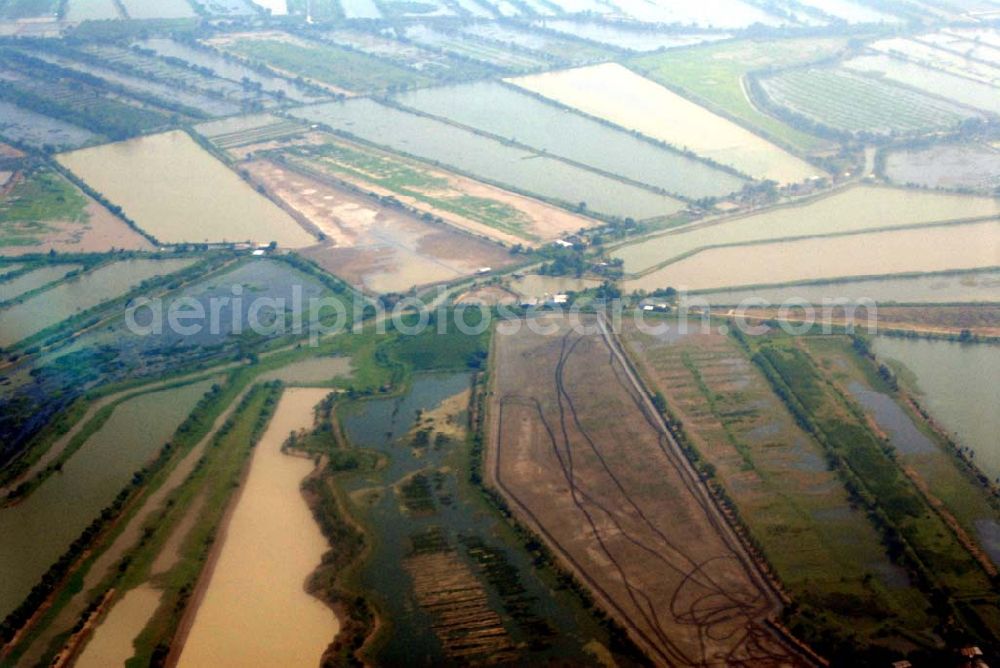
{"points": [[381, 248], [423, 187], [583, 459]]}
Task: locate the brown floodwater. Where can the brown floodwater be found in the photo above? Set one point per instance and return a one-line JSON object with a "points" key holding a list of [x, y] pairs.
{"points": [[255, 610]]}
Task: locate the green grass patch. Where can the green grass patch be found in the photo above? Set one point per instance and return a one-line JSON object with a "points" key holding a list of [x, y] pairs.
{"points": [[411, 181], [40, 198]]}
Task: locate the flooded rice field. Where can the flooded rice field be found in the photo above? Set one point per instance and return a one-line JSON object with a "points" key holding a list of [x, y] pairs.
{"points": [[34, 279], [951, 86], [972, 286], [27, 127], [91, 10], [490, 160], [929, 249], [957, 385], [360, 9], [161, 9], [40, 528], [869, 208], [611, 34], [78, 294], [620, 96], [725, 14], [270, 546], [500, 110], [178, 193], [225, 67], [311, 371], [111, 644], [971, 166]]}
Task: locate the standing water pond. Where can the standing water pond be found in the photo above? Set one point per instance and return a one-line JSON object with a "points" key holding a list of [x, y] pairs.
{"points": [[39, 529], [430, 540]]}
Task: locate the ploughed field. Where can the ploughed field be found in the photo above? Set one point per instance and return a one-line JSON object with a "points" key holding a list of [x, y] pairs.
{"points": [[580, 454]]}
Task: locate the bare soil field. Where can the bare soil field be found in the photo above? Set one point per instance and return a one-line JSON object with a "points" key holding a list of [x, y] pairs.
{"points": [[822, 547], [584, 459], [501, 215], [368, 244]]}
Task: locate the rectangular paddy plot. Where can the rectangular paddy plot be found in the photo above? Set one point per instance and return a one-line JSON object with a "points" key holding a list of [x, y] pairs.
{"points": [[621, 36], [231, 133], [942, 248], [851, 102], [203, 56], [551, 45], [715, 75], [327, 65], [96, 91], [928, 54], [78, 294], [501, 110], [948, 288], [974, 166], [149, 78], [161, 9], [578, 451], [430, 62], [40, 210], [178, 193], [490, 160], [476, 207], [822, 547], [620, 96], [848, 211], [724, 14], [935, 82], [464, 46], [380, 248], [33, 129], [92, 10]]}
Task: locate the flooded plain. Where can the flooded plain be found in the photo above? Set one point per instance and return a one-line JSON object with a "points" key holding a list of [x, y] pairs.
{"points": [[270, 546], [851, 210], [975, 166], [39, 529], [34, 279], [928, 249], [178, 193], [617, 94], [500, 110], [430, 538], [91, 10], [111, 644], [957, 385], [79, 294], [488, 159]]}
